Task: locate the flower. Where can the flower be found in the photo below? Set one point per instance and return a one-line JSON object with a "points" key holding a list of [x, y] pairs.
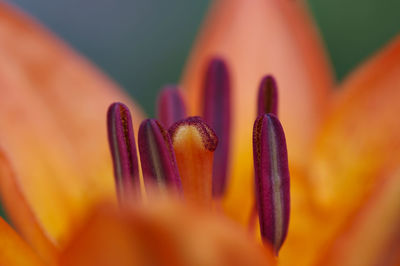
{"points": [[55, 164]]}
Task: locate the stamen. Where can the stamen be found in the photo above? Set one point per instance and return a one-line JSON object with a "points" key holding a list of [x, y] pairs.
{"points": [[157, 156], [123, 150], [271, 179], [267, 96], [194, 143], [217, 113], [170, 107]]}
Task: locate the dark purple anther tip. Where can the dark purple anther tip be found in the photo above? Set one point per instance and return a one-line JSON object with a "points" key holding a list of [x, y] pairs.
{"points": [[123, 149], [170, 106], [217, 113], [267, 101], [157, 156], [272, 182]]}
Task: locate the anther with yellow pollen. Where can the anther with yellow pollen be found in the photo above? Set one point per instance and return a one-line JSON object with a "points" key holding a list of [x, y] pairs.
{"points": [[190, 155]]}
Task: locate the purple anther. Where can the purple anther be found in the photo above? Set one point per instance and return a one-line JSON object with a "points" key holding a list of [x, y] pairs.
{"points": [[267, 101], [157, 156], [123, 149], [272, 181], [217, 113], [170, 106]]}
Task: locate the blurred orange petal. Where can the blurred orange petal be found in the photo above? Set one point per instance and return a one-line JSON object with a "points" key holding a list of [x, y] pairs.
{"points": [[163, 233], [52, 120], [307, 229], [258, 37], [357, 145], [22, 214], [372, 235], [13, 250], [361, 135]]}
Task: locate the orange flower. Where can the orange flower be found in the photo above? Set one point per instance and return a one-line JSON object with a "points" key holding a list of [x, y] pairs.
{"points": [[342, 144]]}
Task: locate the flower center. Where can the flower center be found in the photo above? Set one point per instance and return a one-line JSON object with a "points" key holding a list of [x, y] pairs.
{"points": [[191, 157]]}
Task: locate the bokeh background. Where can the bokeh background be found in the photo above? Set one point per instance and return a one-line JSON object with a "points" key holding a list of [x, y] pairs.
{"points": [[142, 44]]}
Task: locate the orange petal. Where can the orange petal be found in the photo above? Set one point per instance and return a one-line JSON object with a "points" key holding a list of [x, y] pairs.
{"points": [[256, 38], [361, 135], [307, 227], [24, 220], [358, 144], [372, 236], [163, 233], [13, 250], [53, 108]]}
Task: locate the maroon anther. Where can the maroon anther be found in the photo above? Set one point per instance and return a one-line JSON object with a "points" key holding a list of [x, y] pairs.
{"points": [[267, 101], [170, 106], [217, 113], [123, 150], [157, 156], [272, 182]]}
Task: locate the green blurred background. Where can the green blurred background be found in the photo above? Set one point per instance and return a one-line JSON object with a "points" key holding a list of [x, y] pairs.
{"points": [[142, 44]]}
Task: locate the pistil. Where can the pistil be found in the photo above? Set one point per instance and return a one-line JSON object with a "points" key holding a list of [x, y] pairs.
{"points": [[194, 143]]}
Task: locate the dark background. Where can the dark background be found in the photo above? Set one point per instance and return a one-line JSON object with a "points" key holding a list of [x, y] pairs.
{"points": [[142, 44]]}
